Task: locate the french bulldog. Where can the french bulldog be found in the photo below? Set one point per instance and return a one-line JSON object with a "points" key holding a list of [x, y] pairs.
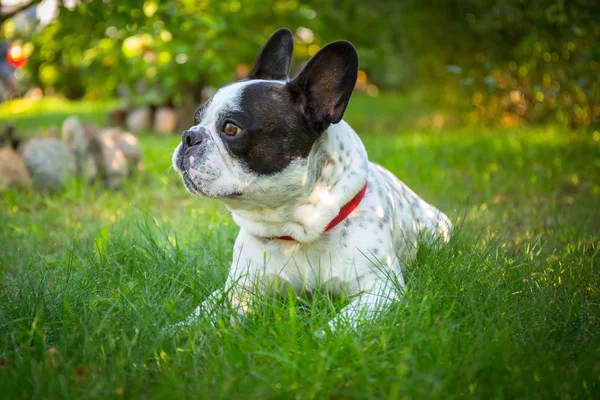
{"points": [[313, 211]]}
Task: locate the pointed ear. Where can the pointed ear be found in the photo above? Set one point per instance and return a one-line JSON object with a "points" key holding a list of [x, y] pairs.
{"points": [[323, 88], [273, 61]]}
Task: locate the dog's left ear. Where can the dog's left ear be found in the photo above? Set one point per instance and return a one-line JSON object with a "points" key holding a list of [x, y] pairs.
{"points": [[273, 61], [323, 88]]}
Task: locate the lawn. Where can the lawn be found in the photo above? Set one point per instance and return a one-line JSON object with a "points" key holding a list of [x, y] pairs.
{"points": [[510, 308]]}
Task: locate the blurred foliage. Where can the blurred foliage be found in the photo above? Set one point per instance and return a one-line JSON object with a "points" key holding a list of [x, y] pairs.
{"points": [[505, 63], [171, 49]]}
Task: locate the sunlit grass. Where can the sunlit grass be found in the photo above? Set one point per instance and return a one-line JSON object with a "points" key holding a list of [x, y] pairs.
{"points": [[33, 115], [510, 308], [28, 107]]}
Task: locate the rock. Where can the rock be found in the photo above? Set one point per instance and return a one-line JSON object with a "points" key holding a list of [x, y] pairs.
{"points": [[118, 116], [111, 161], [130, 146], [73, 135], [90, 131], [165, 120], [52, 132], [139, 119], [207, 92], [77, 137], [185, 117], [35, 93], [49, 161], [13, 172], [91, 168]]}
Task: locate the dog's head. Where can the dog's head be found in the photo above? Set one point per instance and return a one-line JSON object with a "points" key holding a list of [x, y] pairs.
{"points": [[252, 138]]}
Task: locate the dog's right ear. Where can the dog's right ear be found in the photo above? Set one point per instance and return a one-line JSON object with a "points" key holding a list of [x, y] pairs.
{"points": [[273, 61], [323, 88]]}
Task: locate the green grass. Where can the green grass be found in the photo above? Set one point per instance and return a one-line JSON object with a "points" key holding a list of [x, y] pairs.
{"points": [[29, 116], [509, 309]]}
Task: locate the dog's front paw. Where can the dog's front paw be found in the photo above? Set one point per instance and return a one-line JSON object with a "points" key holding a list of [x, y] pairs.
{"points": [[173, 329], [324, 333], [320, 335], [189, 322]]}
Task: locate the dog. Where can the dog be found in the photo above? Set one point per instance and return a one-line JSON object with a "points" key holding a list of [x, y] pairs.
{"points": [[313, 211]]}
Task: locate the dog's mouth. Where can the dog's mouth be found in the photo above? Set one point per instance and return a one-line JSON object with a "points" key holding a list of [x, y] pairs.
{"points": [[179, 162], [190, 185], [190, 175], [194, 189]]}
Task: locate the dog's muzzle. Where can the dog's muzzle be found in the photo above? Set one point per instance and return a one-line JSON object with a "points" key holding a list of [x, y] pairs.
{"points": [[193, 137], [193, 141]]}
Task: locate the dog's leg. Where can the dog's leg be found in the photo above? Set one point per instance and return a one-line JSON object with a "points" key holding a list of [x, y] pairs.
{"points": [[363, 308], [211, 307], [220, 302]]}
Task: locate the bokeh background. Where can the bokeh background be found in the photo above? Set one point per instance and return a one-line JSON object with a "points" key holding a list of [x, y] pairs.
{"points": [[489, 110], [495, 62]]}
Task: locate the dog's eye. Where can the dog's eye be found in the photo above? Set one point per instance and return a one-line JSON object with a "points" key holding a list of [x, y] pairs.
{"points": [[231, 129]]}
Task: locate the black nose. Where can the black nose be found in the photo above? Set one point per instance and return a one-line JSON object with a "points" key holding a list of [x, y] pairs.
{"points": [[191, 137]]}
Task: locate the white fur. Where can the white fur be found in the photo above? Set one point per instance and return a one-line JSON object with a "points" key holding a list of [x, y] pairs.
{"points": [[362, 257]]}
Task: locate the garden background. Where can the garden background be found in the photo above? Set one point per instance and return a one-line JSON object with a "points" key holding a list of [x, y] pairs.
{"points": [[488, 110]]}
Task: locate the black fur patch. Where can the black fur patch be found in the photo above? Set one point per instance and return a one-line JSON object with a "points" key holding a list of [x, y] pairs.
{"points": [[324, 86], [275, 132], [273, 61]]}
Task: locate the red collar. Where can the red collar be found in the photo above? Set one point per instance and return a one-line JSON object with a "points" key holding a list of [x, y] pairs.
{"points": [[345, 211]]}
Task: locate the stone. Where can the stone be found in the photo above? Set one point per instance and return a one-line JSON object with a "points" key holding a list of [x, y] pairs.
{"points": [[110, 160], [165, 120], [13, 172], [90, 131], [73, 135], [139, 119], [91, 168], [207, 92], [185, 117], [130, 146], [50, 163], [52, 132], [118, 116]]}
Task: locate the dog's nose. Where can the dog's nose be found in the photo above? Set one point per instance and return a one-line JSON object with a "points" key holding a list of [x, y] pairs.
{"points": [[192, 137]]}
